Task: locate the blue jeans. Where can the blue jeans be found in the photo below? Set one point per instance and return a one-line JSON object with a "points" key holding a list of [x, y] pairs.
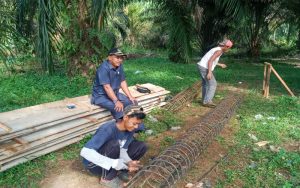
{"points": [[110, 106], [208, 86]]}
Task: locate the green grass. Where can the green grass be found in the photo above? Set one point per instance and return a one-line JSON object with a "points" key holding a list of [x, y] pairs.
{"points": [[30, 88], [26, 174], [271, 169]]}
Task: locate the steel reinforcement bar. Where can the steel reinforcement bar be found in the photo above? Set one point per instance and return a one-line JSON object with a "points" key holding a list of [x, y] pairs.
{"points": [[186, 96], [175, 161]]}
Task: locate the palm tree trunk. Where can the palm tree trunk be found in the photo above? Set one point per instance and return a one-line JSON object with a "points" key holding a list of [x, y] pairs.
{"points": [[298, 40]]}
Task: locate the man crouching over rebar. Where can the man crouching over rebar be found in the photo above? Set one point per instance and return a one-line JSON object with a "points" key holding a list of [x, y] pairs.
{"points": [[112, 152]]}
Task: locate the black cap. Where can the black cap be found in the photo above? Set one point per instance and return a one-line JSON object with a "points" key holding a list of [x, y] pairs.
{"points": [[116, 51]]}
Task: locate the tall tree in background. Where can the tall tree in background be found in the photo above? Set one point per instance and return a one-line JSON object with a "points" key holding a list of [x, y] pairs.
{"points": [[294, 7], [7, 32], [47, 32], [180, 27], [214, 25], [81, 32], [257, 25]]}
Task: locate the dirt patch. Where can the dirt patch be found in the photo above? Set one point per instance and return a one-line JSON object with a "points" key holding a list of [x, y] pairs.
{"points": [[292, 146], [206, 167], [70, 173]]}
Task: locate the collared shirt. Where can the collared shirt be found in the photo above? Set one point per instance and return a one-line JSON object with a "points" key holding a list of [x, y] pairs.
{"points": [[106, 74]]}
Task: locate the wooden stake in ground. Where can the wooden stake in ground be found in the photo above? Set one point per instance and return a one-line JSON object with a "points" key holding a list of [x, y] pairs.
{"points": [[282, 81], [266, 82]]}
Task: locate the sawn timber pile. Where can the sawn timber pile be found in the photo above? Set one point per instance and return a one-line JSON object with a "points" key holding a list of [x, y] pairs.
{"points": [[34, 131]]}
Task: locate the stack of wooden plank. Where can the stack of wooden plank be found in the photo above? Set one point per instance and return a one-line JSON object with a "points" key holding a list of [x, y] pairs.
{"points": [[30, 132]]}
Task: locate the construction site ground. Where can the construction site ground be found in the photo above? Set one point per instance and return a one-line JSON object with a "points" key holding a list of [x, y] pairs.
{"points": [[71, 174]]}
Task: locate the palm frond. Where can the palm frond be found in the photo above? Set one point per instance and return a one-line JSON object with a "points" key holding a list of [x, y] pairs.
{"points": [[180, 25], [7, 33], [47, 30], [100, 10], [25, 12]]}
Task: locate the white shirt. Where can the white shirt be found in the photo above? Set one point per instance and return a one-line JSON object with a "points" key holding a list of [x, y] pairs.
{"points": [[204, 61]]}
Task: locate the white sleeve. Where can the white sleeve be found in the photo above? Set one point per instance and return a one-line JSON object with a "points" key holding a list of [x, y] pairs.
{"points": [[124, 155], [96, 158]]}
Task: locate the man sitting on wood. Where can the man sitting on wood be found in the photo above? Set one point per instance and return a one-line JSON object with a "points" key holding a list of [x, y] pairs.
{"points": [[110, 77], [113, 151]]}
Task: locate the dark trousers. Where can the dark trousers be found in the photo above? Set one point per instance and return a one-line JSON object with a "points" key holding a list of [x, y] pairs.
{"points": [[111, 149], [110, 105]]}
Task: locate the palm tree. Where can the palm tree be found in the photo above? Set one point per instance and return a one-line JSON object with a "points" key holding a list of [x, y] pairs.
{"points": [[187, 21], [7, 32], [294, 7]]}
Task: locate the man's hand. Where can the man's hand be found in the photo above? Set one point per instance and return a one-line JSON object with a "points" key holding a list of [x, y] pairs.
{"points": [[209, 75], [133, 100], [134, 166], [119, 106], [222, 65], [119, 164]]}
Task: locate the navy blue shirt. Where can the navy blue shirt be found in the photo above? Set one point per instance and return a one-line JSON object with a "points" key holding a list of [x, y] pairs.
{"points": [[107, 132], [106, 74]]}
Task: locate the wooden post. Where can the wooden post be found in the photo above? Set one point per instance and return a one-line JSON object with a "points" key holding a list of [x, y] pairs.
{"points": [[282, 81], [264, 81], [267, 82]]}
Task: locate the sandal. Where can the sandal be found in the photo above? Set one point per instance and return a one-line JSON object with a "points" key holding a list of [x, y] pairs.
{"points": [[114, 183]]}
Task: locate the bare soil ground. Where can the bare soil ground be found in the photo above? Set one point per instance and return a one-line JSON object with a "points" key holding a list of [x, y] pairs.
{"points": [[71, 174]]}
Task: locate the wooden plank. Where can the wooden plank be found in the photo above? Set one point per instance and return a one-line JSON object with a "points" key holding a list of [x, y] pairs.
{"points": [[41, 117], [4, 129], [45, 133], [282, 81], [45, 142], [142, 101], [52, 142], [79, 132], [153, 95], [41, 152], [42, 114], [48, 149], [151, 87], [23, 112], [43, 126]]}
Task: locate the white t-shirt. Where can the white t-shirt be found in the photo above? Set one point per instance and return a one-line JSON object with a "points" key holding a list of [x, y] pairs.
{"points": [[204, 61]]}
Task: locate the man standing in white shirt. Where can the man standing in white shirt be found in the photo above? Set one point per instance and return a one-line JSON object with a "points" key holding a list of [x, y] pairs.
{"points": [[206, 66]]}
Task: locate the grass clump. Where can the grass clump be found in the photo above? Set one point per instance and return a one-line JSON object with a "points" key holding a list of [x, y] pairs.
{"points": [[275, 120], [25, 175], [31, 88]]}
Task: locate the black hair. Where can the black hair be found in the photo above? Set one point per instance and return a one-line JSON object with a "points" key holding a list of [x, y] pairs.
{"points": [[138, 115]]}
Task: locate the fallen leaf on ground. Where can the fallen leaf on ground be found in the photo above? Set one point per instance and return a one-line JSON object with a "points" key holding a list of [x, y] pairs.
{"points": [[262, 143]]}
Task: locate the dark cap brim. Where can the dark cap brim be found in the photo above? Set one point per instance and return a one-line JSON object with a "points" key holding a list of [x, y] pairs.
{"points": [[118, 54]]}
